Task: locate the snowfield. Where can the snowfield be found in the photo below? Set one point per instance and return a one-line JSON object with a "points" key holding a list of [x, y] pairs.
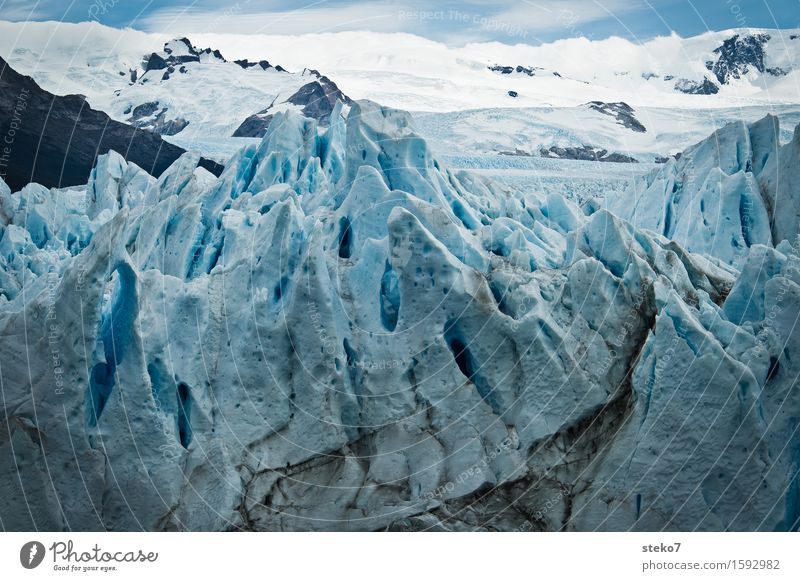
{"points": [[528, 130]]}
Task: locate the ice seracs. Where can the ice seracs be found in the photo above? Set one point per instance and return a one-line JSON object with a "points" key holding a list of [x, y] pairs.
{"points": [[735, 189], [341, 333]]}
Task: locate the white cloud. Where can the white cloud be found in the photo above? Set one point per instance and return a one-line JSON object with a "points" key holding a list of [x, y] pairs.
{"points": [[314, 17], [20, 11], [455, 23]]}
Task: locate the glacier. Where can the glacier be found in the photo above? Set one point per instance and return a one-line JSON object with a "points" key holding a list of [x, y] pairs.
{"points": [[733, 190], [339, 333]]}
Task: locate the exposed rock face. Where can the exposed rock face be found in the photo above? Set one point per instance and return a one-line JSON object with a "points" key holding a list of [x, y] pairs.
{"points": [[181, 51], [254, 126], [339, 333], [706, 87], [56, 140], [529, 71], [585, 153], [738, 55], [263, 64], [316, 100], [735, 58], [502, 69], [176, 52], [152, 117], [622, 112]]}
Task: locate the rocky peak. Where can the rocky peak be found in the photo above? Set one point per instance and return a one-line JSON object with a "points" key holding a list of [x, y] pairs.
{"points": [[738, 55], [621, 111]]}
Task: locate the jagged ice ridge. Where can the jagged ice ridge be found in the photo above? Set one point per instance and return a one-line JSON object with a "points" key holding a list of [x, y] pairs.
{"points": [[340, 333]]}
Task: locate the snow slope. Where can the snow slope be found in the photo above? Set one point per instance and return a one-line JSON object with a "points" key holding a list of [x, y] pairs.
{"points": [[198, 88], [341, 333], [418, 74], [528, 130]]}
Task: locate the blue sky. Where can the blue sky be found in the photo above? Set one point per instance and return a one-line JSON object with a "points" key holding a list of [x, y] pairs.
{"points": [[530, 21]]}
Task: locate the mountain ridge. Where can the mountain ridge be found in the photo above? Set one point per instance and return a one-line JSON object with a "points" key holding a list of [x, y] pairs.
{"points": [[56, 140], [399, 69]]}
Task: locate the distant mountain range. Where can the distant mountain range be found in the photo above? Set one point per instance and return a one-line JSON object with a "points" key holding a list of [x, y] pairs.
{"points": [[151, 80], [729, 68], [743, 56]]}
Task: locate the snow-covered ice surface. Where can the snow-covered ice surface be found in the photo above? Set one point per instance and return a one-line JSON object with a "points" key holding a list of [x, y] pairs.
{"points": [[341, 333], [583, 182], [220, 149], [528, 130]]}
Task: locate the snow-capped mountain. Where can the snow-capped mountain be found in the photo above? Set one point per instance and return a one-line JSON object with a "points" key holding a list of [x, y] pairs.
{"points": [[341, 333], [175, 71], [607, 99], [55, 140], [735, 67], [169, 87], [742, 56]]}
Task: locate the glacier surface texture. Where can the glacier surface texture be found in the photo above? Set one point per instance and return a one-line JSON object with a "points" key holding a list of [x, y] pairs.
{"points": [[339, 333]]}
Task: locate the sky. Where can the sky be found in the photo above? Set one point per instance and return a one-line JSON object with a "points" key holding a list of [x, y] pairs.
{"points": [[455, 23]]}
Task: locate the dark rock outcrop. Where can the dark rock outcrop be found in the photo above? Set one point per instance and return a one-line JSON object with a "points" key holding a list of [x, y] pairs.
{"points": [[622, 112], [55, 140], [707, 87], [585, 153], [316, 99], [255, 125], [530, 71], [169, 60], [264, 64], [156, 61], [152, 116], [738, 55]]}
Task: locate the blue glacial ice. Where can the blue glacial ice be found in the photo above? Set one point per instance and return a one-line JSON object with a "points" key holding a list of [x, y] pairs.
{"points": [[339, 333], [733, 190]]}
